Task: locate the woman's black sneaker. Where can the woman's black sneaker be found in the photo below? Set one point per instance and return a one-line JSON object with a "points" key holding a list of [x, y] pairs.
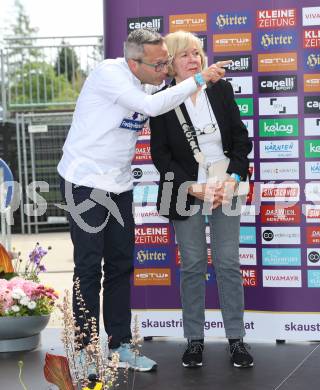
{"points": [[192, 356], [240, 357]]}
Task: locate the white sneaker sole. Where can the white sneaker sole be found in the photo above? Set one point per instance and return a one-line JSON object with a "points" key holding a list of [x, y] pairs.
{"points": [[192, 365], [240, 366], [136, 368]]}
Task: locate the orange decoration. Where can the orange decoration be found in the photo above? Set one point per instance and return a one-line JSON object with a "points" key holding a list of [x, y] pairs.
{"points": [[5, 261]]}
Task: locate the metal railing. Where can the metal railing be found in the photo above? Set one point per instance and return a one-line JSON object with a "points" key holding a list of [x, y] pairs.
{"points": [[46, 72]]}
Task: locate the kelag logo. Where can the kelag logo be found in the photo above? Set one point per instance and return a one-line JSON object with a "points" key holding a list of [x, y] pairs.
{"points": [[312, 170], [247, 235], [312, 105], [240, 63], [278, 127], [273, 84], [232, 42], [245, 106], [284, 257], [188, 22], [278, 105], [276, 18], [278, 40], [277, 62], [279, 149], [147, 22], [313, 256], [314, 278], [311, 61], [157, 256], [312, 148], [310, 16], [279, 214], [311, 82], [312, 126], [311, 38], [241, 85], [231, 21]]}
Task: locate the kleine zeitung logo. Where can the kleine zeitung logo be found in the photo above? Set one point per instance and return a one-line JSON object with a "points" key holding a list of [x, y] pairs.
{"points": [[276, 18], [311, 38]]}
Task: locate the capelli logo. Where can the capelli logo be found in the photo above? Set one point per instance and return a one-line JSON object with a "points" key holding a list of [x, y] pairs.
{"points": [[239, 63], [312, 104], [188, 22], [154, 23], [283, 83]]}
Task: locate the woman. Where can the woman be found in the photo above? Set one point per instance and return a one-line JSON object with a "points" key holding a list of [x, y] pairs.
{"points": [[218, 140]]}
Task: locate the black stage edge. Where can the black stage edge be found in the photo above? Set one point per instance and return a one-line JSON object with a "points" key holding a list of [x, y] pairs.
{"points": [[297, 361]]}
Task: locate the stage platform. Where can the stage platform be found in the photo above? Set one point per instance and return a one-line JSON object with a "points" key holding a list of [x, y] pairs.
{"points": [[288, 366]]}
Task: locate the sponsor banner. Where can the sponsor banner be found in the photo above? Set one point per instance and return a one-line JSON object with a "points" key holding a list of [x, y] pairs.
{"points": [[314, 278], [278, 127], [280, 214], [277, 62], [142, 152], [312, 148], [247, 235], [148, 214], [311, 82], [240, 63], [312, 126], [250, 194], [281, 257], [312, 170], [248, 214], [251, 170], [277, 40], [207, 234], [278, 83], [313, 235], [152, 277], [231, 21], [281, 278], [232, 42], [251, 154], [248, 256], [178, 256], [143, 193], [188, 22], [310, 16], [312, 213], [146, 172], [276, 18], [144, 134], [152, 235], [280, 236], [241, 85], [279, 149], [204, 41], [311, 60], [249, 125], [313, 257], [278, 105], [249, 277], [245, 106], [147, 22], [312, 191], [283, 192], [155, 256], [258, 325], [279, 171], [311, 38], [312, 105]]}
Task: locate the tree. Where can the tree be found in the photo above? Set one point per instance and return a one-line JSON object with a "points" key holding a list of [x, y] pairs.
{"points": [[67, 63]]}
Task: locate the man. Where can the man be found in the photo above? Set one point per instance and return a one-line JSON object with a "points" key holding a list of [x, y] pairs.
{"points": [[113, 106]]}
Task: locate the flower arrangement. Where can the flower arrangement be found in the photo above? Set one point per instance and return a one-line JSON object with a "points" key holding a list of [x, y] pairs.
{"points": [[21, 293]]}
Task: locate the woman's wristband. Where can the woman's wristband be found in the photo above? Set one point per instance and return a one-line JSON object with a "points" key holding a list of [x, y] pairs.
{"points": [[198, 78]]}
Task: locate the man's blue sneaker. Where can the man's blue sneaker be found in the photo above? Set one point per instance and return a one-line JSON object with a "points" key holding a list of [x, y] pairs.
{"points": [[81, 361], [130, 358]]}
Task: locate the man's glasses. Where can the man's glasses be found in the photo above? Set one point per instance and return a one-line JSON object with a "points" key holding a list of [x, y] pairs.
{"points": [[158, 67], [209, 128]]}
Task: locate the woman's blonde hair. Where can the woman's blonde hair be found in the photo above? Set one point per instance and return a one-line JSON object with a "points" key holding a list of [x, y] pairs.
{"points": [[182, 40]]}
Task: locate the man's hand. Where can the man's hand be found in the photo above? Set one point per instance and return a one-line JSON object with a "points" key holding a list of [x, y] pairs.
{"points": [[215, 71]]}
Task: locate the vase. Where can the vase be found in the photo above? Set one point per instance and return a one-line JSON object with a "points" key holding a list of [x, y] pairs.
{"points": [[21, 333]]}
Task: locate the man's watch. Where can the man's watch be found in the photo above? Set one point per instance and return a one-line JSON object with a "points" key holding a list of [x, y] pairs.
{"points": [[236, 177]]}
